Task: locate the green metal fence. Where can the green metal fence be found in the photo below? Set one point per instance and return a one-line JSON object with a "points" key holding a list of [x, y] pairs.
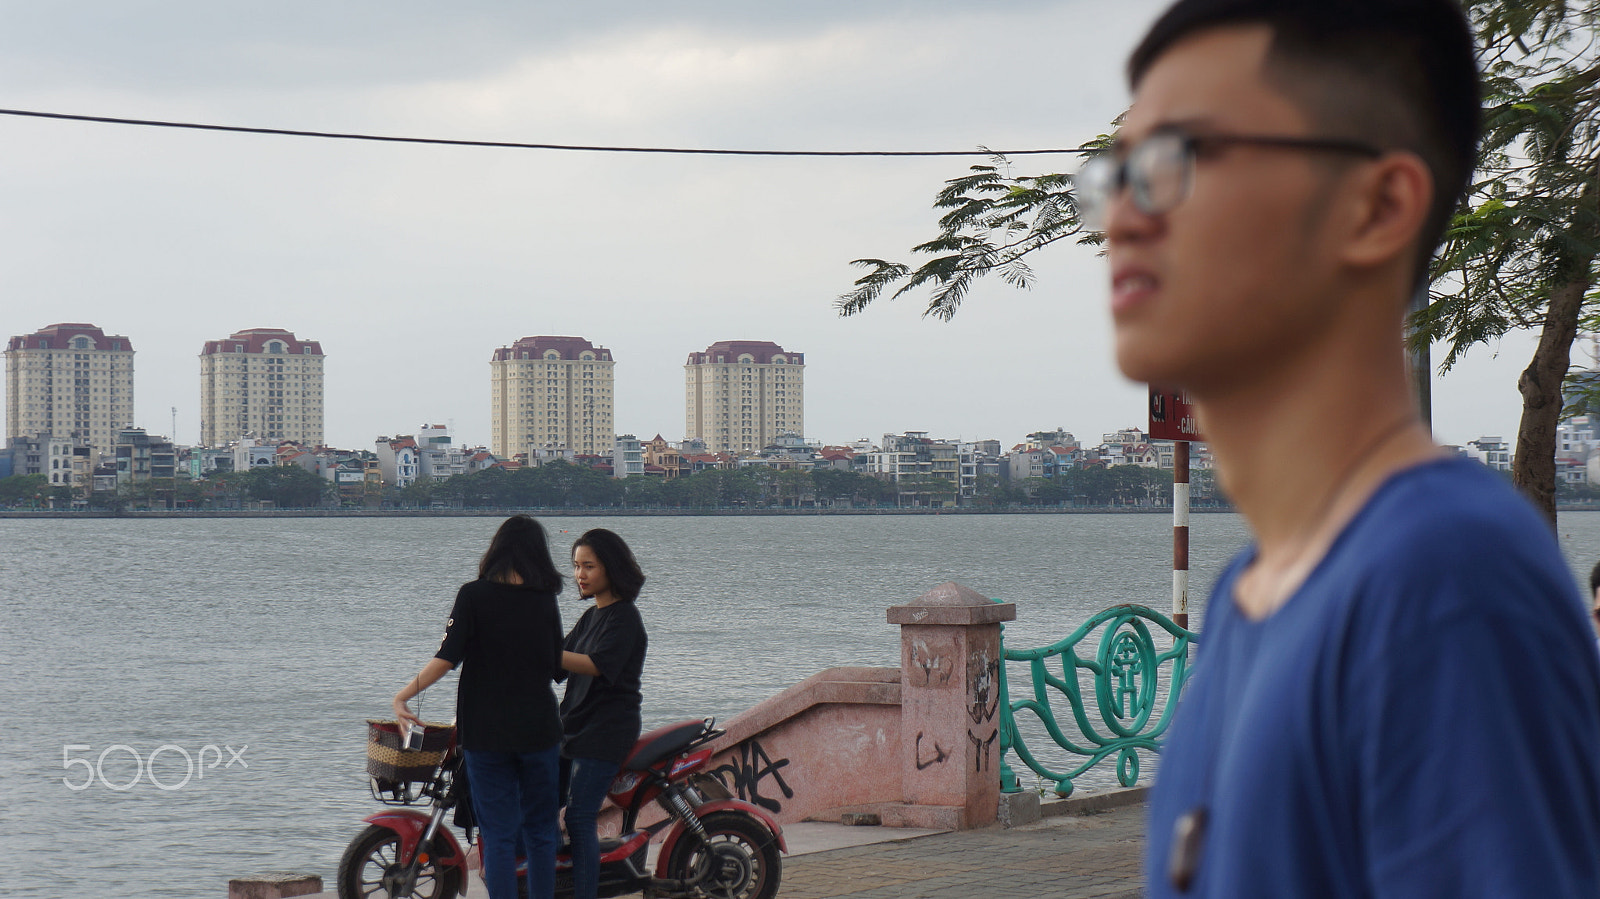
{"points": [[1109, 705]]}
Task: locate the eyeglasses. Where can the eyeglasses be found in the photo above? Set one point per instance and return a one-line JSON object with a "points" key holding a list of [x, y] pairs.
{"points": [[1159, 170]]}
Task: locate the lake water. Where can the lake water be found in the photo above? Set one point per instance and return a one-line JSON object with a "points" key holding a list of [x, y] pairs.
{"points": [[245, 654]]}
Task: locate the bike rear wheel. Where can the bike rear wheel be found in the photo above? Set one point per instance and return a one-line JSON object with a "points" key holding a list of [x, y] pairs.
{"points": [[739, 859], [371, 869]]}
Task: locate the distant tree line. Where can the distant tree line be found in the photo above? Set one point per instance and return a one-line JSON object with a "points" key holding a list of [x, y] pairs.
{"points": [[562, 485], [284, 486], [26, 491], [1577, 493], [1115, 485]]}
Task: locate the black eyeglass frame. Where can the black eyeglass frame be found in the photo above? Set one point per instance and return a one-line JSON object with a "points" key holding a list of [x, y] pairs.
{"points": [[1092, 207]]}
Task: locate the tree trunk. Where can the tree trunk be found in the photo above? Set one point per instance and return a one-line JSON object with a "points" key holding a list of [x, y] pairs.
{"points": [[1534, 469]]}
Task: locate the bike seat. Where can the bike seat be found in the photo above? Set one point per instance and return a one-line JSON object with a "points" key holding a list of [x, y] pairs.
{"points": [[663, 742]]}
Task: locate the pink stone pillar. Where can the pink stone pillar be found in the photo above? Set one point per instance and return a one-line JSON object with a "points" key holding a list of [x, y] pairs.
{"points": [[950, 700]]}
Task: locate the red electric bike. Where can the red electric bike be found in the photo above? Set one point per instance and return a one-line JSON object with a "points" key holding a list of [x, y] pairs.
{"points": [[716, 846]]}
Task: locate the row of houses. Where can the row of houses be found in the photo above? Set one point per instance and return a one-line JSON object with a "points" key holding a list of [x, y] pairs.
{"points": [[134, 457], [1577, 451], [431, 454]]}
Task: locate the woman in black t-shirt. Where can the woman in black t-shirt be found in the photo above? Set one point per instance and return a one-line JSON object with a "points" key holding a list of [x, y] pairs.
{"points": [[600, 713], [505, 629]]}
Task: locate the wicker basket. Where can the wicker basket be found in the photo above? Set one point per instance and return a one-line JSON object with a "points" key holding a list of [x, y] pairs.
{"points": [[387, 762]]}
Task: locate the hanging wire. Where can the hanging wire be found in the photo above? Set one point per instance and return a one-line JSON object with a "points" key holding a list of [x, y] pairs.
{"points": [[515, 145]]}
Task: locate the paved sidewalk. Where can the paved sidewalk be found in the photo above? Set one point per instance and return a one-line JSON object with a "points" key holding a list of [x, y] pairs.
{"points": [[1069, 857], [1093, 856]]}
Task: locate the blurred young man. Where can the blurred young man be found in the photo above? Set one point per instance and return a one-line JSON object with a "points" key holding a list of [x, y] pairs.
{"points": [[1397, 693]]}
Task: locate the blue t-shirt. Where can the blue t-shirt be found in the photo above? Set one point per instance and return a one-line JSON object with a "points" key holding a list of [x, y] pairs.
{"points": [[1421, 718]]}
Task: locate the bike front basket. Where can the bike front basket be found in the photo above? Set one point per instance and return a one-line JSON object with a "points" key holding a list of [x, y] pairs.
{"points": [[388, 762]]}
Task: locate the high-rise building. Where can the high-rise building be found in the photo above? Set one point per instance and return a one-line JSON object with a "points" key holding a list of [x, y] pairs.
{"points": [[551, 393], [263, 382], [741, 394], [70, 381]]}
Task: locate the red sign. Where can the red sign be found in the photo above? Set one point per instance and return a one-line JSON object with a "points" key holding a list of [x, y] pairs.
{"points": [[1171, 416]]}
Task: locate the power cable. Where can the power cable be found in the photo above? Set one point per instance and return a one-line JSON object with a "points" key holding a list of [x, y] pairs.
{"points": [[691, 151]]}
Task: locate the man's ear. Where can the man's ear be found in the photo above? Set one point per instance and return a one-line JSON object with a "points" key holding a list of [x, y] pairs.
{"points": [[1389, 202]]}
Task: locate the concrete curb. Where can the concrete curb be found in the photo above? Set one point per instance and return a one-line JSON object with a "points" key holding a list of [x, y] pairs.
{"points": [[1018, 809]]}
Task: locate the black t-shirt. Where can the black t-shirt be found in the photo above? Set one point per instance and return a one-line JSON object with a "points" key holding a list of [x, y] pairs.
{"points": [[600, 715], [508, 640]]}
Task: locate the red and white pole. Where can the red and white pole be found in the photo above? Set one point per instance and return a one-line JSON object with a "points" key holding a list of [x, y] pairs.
{"points": [[1180, 534]]}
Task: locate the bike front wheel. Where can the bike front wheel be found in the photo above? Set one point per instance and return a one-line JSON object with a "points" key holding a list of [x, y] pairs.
{"points": [[738, 860], [371, 869]]}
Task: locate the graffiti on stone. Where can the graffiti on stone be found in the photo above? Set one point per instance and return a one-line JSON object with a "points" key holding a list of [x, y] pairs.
{"points": [[938, 757], [935, 669], [982, 749], [983, 687], [748, 770]]}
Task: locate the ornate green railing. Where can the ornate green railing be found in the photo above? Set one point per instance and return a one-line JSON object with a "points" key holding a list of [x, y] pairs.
{"points": [[1124, 677]]}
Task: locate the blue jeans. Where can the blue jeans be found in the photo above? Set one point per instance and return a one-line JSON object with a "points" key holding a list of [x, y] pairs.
{"points": [[514, 795], [583, 786]]}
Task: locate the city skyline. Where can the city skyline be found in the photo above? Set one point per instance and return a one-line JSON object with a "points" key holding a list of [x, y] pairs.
{"points": [[407, 261], [257, 339]]}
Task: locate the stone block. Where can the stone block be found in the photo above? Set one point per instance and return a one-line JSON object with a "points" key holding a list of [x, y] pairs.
{"points": [[926, 817], [274, 886], [1017, 809]]}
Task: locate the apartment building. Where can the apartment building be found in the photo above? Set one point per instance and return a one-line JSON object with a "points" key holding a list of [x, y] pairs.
{"points": [[627, 456], [1576, 436], [1041, 462], [911, 455], [251, 453], [142, 457], [438, 458], [741, 395], [553, 393], [1494, 452], [70, 381], [264, 382], [1575, 446], [399, 460], [66, 461], [71, 464]]}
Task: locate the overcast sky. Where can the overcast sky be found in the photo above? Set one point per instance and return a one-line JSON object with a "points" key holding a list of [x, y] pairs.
{"points": [[411, 264]]}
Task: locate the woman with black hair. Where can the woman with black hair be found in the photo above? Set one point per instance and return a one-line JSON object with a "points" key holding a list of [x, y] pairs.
{"points": [[600, 713], [506, 629]]}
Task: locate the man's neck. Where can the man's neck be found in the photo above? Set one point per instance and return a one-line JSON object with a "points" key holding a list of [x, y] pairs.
{"points": [[1300, 449]]}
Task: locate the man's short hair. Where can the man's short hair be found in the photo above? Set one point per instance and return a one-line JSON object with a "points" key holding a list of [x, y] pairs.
{"points": [[1594, 580], [1398, 74]]}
